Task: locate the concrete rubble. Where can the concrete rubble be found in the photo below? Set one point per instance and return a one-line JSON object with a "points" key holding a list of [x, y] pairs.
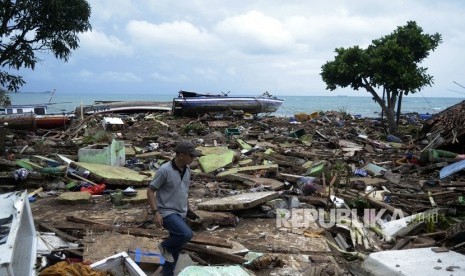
{"points": [[322, 194]]}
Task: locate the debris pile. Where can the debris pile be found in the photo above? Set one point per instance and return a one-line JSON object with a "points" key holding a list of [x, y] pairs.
{"points": [[314, 194]]}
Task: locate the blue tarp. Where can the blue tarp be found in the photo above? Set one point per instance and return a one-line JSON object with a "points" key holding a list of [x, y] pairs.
{"points": [[451, 169]]}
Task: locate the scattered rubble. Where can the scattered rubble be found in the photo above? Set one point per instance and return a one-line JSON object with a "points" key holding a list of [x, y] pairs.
{"points": [[317, 194]]}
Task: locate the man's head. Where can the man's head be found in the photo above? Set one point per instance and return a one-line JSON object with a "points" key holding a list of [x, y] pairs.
{"points": [[187, 148]]}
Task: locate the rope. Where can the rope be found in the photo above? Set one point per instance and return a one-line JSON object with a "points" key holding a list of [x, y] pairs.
{"points": [[287, 110]]}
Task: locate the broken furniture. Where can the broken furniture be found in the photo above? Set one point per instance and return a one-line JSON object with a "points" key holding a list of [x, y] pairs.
{"points": [[112, 155]]}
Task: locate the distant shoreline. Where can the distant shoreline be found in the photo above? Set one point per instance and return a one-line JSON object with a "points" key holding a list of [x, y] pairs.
{"points": [[355, 105], [29, 92], [174, 95]]}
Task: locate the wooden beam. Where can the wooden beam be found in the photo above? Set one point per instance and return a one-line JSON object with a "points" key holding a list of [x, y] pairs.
{"points": [[198, 239], [211, 240], [214, 253], [85, 221], [59, 233], [150, 233]]}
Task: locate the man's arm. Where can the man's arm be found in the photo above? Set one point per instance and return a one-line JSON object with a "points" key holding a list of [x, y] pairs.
{"points": [[152, 199]]}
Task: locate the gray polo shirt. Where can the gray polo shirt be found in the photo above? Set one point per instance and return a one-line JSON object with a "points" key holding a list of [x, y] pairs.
{"points": [[172, 189]]}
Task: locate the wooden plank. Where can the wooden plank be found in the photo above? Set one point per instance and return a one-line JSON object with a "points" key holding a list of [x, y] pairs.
{"points": [[86, 221], [453, 184], [270, 167], [253, 181], [211, 240], [216, 218], [199, 239], [214, 253], [218, 123], [401, 243], [237, 202], [59, 233], [124, 230], [197, 259], [68, 226], [290, 177]]}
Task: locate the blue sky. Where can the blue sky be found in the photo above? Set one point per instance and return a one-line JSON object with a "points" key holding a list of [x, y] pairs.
{"points": [[246, 47]]}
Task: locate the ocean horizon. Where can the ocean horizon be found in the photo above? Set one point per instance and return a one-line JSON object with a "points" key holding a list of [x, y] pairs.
{"points": [[364, 106]]}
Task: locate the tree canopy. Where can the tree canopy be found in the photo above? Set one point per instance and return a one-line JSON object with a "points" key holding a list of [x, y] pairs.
{"points": [[392, 62], [30, 26]]}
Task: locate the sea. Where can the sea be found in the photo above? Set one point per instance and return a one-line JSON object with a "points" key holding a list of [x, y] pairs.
{"points": [[355, 105]]}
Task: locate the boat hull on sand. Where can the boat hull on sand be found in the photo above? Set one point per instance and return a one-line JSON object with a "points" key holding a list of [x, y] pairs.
{"points": [[33, 121], [193, 104], [126, 107], [32, 116]]}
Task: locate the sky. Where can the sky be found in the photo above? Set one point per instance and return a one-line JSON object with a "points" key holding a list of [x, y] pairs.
{"points": [[245, 47]]}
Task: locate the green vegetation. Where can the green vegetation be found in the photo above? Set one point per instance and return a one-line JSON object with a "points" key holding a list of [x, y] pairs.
{"points": [[196, 128], [98, 137], [32, 26], [391, 64]]}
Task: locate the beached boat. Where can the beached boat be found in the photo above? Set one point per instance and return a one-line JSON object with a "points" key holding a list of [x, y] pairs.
{"points": [[33, 116], [39, 109], [18, 238], [124, 107], [193, 104]]}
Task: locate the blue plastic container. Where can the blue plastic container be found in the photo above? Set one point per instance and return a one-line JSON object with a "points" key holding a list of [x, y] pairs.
{"points": [[425, 116]]}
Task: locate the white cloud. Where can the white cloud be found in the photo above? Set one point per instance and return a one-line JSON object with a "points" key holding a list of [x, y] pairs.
{"points": [[169, 78], [85, 74], [244, 46], [256, 33], [119, 77], [106, 10], [206, 73], [178, 38], [107, 76], [97, 43]]}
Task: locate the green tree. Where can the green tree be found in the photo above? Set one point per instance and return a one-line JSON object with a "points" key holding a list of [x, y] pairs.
{"points": [[31, 26], [4, 99], [390, 64]]}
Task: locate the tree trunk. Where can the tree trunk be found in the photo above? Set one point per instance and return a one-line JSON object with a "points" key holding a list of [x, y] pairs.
{"points": [[388, 109], [399, 108], [390, 114], [391, 120]]}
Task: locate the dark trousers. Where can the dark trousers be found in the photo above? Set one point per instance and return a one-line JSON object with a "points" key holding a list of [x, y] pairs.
{"points": [[180, 234]]}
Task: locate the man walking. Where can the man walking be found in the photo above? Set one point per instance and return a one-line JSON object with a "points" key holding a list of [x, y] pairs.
{"points": [[167, 197]]}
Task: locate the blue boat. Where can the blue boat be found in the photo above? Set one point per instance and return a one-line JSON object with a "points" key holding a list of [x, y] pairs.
{"points": [[193, 104]]}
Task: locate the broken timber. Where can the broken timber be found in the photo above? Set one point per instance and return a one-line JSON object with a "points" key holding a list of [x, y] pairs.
{"points": [[271, 167], [216, 218], [200, 239], [58, 232], [253, 181], [214, 253], [238, 202]]}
